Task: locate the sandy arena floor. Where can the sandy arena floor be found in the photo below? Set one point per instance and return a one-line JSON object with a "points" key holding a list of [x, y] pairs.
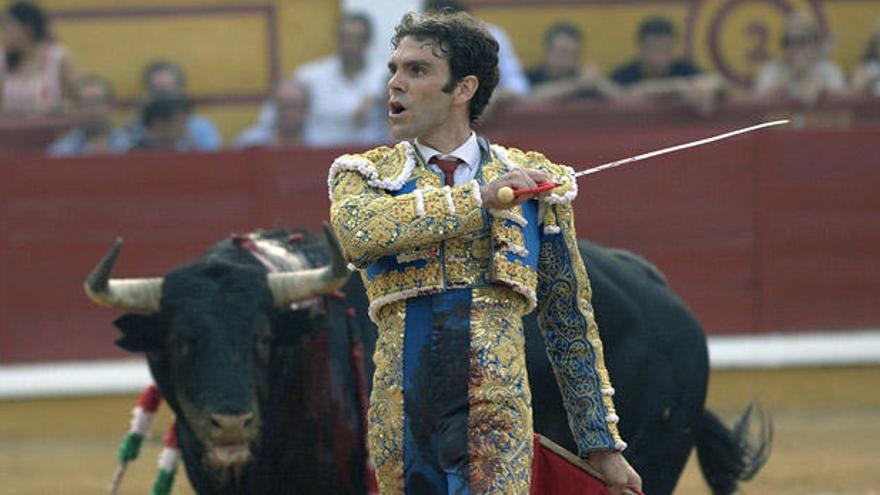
{"points": [[827, 437]]}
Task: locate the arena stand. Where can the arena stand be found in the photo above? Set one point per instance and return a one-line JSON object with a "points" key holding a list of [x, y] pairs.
{"points": [[770, 237]]}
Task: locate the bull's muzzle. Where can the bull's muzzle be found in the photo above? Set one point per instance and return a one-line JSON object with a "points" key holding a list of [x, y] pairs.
{"points": [[229, 439], [232, 428]]}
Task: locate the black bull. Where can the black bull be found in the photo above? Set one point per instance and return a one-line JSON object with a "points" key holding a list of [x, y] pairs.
{"points": [[267, 398]]}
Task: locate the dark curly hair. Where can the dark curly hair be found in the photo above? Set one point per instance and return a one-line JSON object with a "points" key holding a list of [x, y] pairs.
{"points": [[464, 42], [32, 17], [34, 20], [162, 66], [656, 26]]}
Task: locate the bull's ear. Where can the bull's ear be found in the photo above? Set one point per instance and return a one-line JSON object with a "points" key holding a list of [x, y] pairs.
{"points": [[140, 333]]}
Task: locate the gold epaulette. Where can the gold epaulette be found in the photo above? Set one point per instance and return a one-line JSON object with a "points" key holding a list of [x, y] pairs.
{"points": [[385, 168]]}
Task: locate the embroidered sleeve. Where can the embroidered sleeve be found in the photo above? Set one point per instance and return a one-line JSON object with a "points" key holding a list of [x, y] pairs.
{"points": [[371, 223], [566, 189], [565, 316]]}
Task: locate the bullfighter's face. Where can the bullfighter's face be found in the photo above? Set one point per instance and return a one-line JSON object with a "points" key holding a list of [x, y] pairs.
{"points": [[419, 101]]}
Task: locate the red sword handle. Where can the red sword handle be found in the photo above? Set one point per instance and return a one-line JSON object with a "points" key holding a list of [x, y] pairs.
{"points": [[542, 187], [507, 194]]}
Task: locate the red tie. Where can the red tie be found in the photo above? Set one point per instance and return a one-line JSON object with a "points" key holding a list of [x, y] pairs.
{"points": [[448, 166]]}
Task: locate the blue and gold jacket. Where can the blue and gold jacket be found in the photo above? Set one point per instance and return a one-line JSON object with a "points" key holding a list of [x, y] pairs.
{"points": [[408, 235]]}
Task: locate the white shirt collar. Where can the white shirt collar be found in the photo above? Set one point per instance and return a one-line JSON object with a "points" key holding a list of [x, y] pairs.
{"points": [[468, 152]]}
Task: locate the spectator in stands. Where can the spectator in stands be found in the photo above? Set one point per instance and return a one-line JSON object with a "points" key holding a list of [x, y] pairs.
{"points": [[36, 73], [866, 78], [163, 121], [94, 132], [346, 94], [803, 73], [561, 75], [290, 104], [164, 79], [658, 73], [513, 83]]}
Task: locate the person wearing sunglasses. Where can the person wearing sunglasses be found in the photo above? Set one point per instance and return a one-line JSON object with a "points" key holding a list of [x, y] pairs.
{"points": [[803, 73]]}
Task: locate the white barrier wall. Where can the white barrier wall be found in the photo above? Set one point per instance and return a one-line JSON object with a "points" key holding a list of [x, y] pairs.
{"points": [[131, 376]]}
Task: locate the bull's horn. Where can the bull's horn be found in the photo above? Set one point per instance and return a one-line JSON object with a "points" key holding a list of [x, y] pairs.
{"points": [[141, 295], [289, 288]]}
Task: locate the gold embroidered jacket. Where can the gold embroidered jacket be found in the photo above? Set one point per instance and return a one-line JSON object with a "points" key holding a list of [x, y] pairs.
{"points": [[408, 235]]}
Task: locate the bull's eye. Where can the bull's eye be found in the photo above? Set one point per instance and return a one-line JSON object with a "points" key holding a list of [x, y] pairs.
{"points": [[264, 345], [183, 347]]}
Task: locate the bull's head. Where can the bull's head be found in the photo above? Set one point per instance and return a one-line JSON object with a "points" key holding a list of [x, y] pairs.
{"points": [[207, 329]]}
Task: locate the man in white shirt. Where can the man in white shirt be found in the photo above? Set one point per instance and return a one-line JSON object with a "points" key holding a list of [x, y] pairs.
{"points": [[345, 92], [290, 103], [804, 73]]}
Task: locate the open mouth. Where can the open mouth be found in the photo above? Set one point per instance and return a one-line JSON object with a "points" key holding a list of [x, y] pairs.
{"points": [[395, 108], [229, 456]]}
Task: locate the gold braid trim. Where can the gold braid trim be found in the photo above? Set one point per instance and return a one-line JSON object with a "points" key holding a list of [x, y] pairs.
{"points": [[397, 285], [370, 223], [385, 417], [520, 278]]}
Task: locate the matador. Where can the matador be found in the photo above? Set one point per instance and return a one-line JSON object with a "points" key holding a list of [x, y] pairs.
{"points": [[450, 271]]}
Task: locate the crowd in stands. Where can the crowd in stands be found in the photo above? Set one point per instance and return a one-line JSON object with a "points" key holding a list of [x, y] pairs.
{"points": [[345, 93], [340, 99]]}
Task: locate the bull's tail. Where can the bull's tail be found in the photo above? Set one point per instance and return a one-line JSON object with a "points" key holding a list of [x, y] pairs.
{"points": [[728, 456]]}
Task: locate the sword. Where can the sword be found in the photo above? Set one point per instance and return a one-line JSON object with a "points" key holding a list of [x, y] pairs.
{"points": [[507, 194]]}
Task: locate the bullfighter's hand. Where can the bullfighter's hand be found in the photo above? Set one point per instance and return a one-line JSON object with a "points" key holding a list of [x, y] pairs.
{"points": [[517, 179], [621, 478]]}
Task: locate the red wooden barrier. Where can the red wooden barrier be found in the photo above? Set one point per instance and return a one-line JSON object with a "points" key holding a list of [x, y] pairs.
{"points": [[774, 231], [32, 134]]}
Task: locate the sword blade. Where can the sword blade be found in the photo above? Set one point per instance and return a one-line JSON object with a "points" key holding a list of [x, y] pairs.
{"points": [[678, 147]]}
